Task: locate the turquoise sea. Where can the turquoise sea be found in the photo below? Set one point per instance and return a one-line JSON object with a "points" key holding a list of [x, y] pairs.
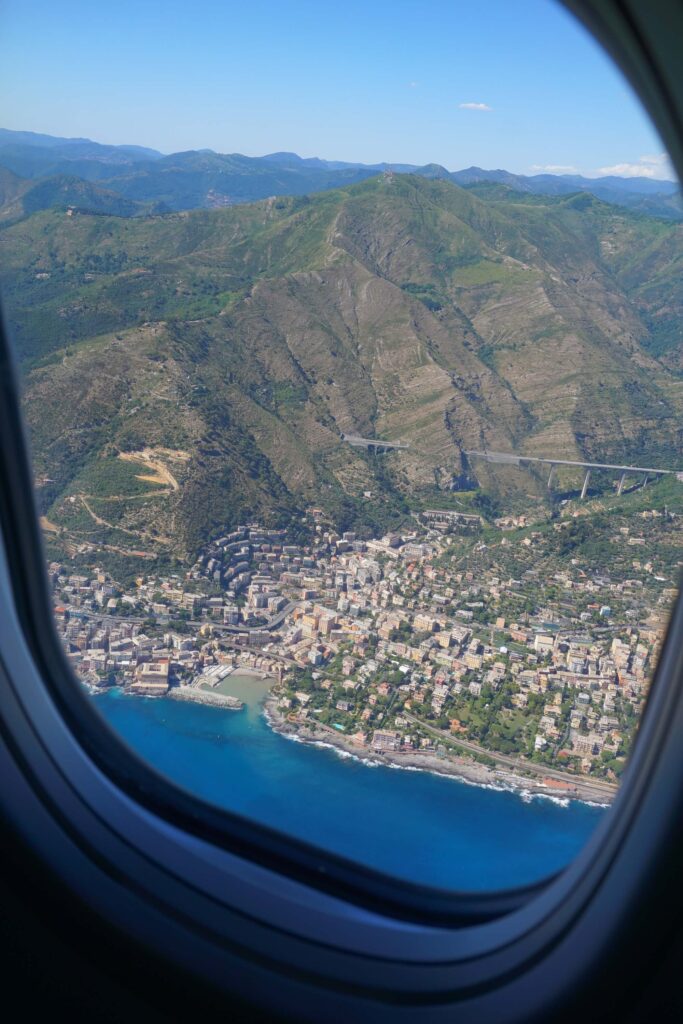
{"points": [[412, 824]]}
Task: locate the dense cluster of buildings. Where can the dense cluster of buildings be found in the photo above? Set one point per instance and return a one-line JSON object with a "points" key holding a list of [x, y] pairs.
{"points": [[386, 640]]}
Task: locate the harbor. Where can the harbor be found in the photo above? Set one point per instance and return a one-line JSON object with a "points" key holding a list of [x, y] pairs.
{"points": [[216, 685]]}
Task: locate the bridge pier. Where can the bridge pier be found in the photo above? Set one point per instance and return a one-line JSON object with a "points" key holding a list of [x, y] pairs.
{"points": [[512, 459]]}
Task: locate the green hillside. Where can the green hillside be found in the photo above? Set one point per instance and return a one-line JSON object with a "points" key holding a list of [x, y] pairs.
{"points": [[236, 346], [20, 198]]}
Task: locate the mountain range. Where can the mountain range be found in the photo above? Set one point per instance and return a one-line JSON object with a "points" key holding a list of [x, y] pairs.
{"points": [[190, 370], [150, 181]]}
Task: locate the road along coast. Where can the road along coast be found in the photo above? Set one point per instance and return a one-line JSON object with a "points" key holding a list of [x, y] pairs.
{"points": [[556, 785]]}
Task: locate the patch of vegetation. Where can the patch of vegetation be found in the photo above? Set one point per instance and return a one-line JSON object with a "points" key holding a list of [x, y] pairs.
{"points": [[110, 477], [427, 294]]}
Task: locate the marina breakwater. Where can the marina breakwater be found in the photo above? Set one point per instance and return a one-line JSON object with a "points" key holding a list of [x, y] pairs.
{"points": [[199, 696]]}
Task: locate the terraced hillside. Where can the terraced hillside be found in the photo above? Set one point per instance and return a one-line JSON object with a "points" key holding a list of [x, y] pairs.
{"points": [[234, 348]]}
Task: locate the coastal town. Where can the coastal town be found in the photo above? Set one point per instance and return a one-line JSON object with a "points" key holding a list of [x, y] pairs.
{"points": [[419, 648]]}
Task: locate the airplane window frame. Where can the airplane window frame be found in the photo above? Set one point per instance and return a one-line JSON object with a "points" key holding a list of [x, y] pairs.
{"points": [[217, 867], [223, 884]]}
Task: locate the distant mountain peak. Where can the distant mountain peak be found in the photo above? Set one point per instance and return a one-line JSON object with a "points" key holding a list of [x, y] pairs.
{"points": [[190, 179], [433, 171], [279, 157]]}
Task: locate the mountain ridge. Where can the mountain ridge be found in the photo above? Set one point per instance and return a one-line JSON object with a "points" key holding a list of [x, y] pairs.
{"points": [[203, 178], [246, 341]]}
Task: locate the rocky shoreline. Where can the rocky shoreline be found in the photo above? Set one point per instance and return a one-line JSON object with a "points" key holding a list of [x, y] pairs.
{"points": [[465, 769]]}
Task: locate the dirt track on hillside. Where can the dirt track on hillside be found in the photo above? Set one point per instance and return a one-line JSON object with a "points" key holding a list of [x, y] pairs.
{"points": [[154, 459]]}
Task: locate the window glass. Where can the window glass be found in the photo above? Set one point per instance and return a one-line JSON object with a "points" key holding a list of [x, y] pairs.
{"points": [[359, 474]]}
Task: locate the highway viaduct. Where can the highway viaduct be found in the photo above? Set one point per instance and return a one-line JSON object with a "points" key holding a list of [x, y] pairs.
{"points": [[514, 459], [372, 442]]}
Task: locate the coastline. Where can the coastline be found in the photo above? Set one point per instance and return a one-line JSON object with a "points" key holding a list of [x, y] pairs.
{"points": [[422, 828], [464, 769], [560, 790]]}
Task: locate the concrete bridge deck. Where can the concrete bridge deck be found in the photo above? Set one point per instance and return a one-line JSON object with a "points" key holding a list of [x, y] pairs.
{"points": [[514, 459], [372, 442]]}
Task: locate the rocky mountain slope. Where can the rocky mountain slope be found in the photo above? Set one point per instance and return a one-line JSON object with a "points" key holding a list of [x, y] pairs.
{"points": [[188, 371]]}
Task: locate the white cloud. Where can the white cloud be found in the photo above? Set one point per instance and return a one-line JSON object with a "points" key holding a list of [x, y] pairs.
{"points": [[474, 106], [554, 169], [652, 166], [413, 85], [627, 171]]}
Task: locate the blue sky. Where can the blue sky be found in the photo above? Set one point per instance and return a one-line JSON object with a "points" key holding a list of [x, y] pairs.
{"points": [[497, 83]]}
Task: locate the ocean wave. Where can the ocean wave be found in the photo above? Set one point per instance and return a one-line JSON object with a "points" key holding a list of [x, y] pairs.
{"points": [[481, 785], [559, 801], [345, 755], [339, 751], [454, 777]]}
